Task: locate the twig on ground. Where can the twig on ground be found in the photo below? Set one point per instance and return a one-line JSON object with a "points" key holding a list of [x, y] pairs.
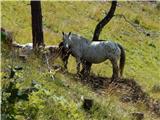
{"points": [[48, 66]]}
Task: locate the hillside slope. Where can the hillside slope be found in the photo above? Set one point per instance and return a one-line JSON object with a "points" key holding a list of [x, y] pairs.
{"points": [[61, 99]]}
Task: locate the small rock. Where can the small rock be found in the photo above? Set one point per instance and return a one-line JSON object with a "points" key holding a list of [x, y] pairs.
{"points": [[87, 104]]}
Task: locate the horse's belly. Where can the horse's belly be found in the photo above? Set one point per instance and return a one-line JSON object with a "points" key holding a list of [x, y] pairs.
{"points": [[95, 55], [95, 60]]}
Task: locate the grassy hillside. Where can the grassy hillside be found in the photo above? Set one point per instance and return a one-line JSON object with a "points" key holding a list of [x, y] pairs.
{"points": [[61, 99]]}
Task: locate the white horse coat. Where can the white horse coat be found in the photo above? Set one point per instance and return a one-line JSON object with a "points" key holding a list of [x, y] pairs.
{"points": [[95, 51]]}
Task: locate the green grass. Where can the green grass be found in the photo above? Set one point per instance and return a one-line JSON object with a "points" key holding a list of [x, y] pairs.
{"points": [[142, 55]]}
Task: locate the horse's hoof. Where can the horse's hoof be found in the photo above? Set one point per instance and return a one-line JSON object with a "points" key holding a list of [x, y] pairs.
{"points": [[84, 78], [114, 79]]}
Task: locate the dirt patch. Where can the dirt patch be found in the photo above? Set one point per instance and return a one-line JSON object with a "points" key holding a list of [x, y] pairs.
{"points": [[130, 90]]}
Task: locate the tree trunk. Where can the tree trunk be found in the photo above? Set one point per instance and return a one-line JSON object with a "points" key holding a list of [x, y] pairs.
{"points": [[37, 32], [104, 21]]}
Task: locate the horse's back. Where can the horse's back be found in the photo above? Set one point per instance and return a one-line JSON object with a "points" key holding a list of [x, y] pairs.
{"points": [[94, 51], [109, 49]]}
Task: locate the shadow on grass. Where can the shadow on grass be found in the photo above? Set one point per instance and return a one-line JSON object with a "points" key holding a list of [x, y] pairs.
{"points": [[131, 91]]}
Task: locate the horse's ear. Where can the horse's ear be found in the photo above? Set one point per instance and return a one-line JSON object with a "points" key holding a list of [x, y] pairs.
{"points": [[69, 34], [62, 33]]}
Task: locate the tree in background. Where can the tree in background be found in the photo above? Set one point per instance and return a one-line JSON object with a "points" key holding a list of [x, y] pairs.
{"points": [[37, 32], [104, 21]]}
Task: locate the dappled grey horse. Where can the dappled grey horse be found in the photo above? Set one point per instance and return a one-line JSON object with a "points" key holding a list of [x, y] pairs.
{"points": [[95, 52]]}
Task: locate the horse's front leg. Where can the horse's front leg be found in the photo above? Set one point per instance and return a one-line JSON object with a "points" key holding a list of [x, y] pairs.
{"points": [[65, 64], [115, 70], [86, 67], [65, 61]]}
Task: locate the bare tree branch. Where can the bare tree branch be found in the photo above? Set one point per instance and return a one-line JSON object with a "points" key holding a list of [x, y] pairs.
{"points": [[137, 27], [104, 21]]}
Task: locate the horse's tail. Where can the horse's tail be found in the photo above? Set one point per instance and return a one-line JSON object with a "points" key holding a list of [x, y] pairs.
{"points": [[122, 59]]}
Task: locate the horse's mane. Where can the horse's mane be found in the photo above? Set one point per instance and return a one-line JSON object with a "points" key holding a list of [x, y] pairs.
{"points": [[78, 35], [83, 38]]}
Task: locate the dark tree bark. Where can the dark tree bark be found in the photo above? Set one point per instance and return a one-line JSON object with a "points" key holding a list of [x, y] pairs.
{"points": [[37, 32], [104, 21]]}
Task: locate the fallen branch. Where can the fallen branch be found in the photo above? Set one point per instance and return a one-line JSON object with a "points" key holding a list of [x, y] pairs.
{"points": [[137, 27], [48, 66]]}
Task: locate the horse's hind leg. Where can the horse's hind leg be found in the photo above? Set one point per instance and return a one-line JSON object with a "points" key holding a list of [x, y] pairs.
{"points": [[78, 61], [88, 67], [115, 70]]}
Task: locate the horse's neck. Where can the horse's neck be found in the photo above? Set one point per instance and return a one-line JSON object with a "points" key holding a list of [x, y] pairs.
{"points": [[79, 41]]}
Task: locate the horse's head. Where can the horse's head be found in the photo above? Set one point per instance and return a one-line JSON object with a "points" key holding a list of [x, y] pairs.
{"points": [[65, 53], [66, 39]]}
